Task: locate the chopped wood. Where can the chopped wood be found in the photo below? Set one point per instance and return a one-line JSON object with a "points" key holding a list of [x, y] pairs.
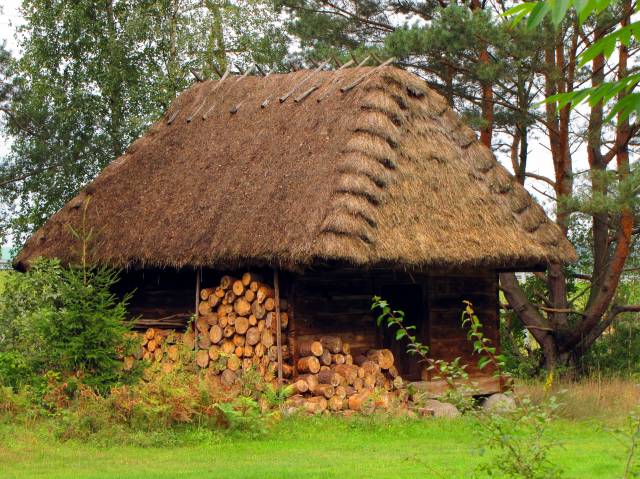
{"points": [[309, 347], [233, 362], [258, 310], [266, 339], [238, 287], [383, 357], [202, 358], [315, 404], [253, 336], [332, 343], [205, 293], [308, 364], [328, 376]]}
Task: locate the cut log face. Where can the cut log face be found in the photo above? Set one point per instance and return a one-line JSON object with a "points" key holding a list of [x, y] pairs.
{"points": [[234, 362], [238, 288], [249, 296], [325, 358], [264, 292], [315, 405], [326, 390], [253, 336], [270, 304], [300, 386], [258, 310], [204, 308], [214, 353], [229, 297], [335, 403], [226, 282], [242, 307], [267, 340], [202, 358], [215, 334], [228, 347], [308, 364], [242, 325], [246, 279], [328, 376], [332, 343], [382, 357], [310, 347], [205, 293]]}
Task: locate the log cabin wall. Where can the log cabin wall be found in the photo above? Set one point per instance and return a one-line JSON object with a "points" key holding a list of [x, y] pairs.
{"points": [[335, 301], [446, 294], [338, 302], [161, 298]]}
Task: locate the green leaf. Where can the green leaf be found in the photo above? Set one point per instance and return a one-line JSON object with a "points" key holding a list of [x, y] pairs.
{"points": [[558, 10], [400, 333], [537, 14]]}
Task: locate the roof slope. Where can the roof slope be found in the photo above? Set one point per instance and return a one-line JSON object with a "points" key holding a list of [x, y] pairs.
{"points": [[384, 173]]}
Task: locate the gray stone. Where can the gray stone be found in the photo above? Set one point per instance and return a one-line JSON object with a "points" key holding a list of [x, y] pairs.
{"points": [[499, 403], [441, 409]]}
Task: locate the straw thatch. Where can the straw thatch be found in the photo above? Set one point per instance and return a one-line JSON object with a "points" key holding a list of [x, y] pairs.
{"points": [[383, 174]]}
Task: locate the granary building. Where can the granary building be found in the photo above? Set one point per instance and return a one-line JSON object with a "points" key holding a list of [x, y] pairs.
{"points": [[347, 183]]}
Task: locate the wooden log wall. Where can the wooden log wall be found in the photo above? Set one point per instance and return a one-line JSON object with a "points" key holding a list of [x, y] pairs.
{"points": [[161, 298], [335, 303], [445, 296], [339, 303]]}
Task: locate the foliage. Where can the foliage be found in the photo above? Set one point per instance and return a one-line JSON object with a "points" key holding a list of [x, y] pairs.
{"points": [[627, 36], [629, 436], [65, 320], [459, 388], [519, 438]]}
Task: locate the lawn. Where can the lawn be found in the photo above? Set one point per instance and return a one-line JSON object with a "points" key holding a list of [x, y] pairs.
{"points": [[300, 448]]}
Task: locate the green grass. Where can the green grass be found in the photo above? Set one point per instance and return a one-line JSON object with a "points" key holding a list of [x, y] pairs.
{"points": [[299, 448]]}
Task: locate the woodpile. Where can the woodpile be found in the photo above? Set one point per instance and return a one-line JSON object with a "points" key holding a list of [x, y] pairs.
{"points": [[235, 331], [330, 378], [161, 346]]}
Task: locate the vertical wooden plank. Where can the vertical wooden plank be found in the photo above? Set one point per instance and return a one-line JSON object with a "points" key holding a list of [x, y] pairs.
{"points": [[292, 334], [276, 285], [195, 331]]}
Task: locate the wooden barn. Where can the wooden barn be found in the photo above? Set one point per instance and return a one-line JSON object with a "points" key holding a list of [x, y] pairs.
{"points": [[340, 185]]}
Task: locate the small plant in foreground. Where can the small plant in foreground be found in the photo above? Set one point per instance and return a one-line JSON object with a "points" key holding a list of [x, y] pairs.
{"points": [[519, 436], [460, 390]]}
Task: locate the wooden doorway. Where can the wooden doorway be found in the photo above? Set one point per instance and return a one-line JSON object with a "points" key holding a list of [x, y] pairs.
{"points": [[409, 298]]}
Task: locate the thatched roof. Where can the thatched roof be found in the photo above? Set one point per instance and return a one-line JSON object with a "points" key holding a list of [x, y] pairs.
{"points": [[384, 173]]}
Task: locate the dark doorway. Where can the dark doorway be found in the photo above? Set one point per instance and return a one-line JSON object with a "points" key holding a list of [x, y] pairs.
{"points": [[410, 299]]}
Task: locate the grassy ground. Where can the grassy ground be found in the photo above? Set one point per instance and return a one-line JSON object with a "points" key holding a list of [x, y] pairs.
{"points": [[300, 448]]}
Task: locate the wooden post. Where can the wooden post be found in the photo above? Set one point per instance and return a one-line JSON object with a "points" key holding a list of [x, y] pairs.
{"points": [[276, 286], [292, 334], [195, 331]]}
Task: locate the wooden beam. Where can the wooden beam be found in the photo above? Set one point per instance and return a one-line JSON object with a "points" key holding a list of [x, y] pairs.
{"points": [[276, 286], [195, 337]]}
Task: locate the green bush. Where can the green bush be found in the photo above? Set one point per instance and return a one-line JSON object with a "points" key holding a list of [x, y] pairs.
{"points": [[65, 320]]}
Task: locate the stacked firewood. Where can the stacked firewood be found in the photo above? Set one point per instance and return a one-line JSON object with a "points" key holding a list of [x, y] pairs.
{"points": [[329, 377], [236, 329], [161, 346]]}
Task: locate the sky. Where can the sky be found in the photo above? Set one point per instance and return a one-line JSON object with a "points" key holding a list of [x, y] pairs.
{"points": [[10, 18]]}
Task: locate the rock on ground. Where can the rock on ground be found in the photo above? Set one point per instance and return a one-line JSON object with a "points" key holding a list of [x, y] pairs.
{"points": [[442, 409], [499, 403]]}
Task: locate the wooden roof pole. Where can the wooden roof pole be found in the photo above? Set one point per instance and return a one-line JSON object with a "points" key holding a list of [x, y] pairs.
{"points": [[276, 286]]}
